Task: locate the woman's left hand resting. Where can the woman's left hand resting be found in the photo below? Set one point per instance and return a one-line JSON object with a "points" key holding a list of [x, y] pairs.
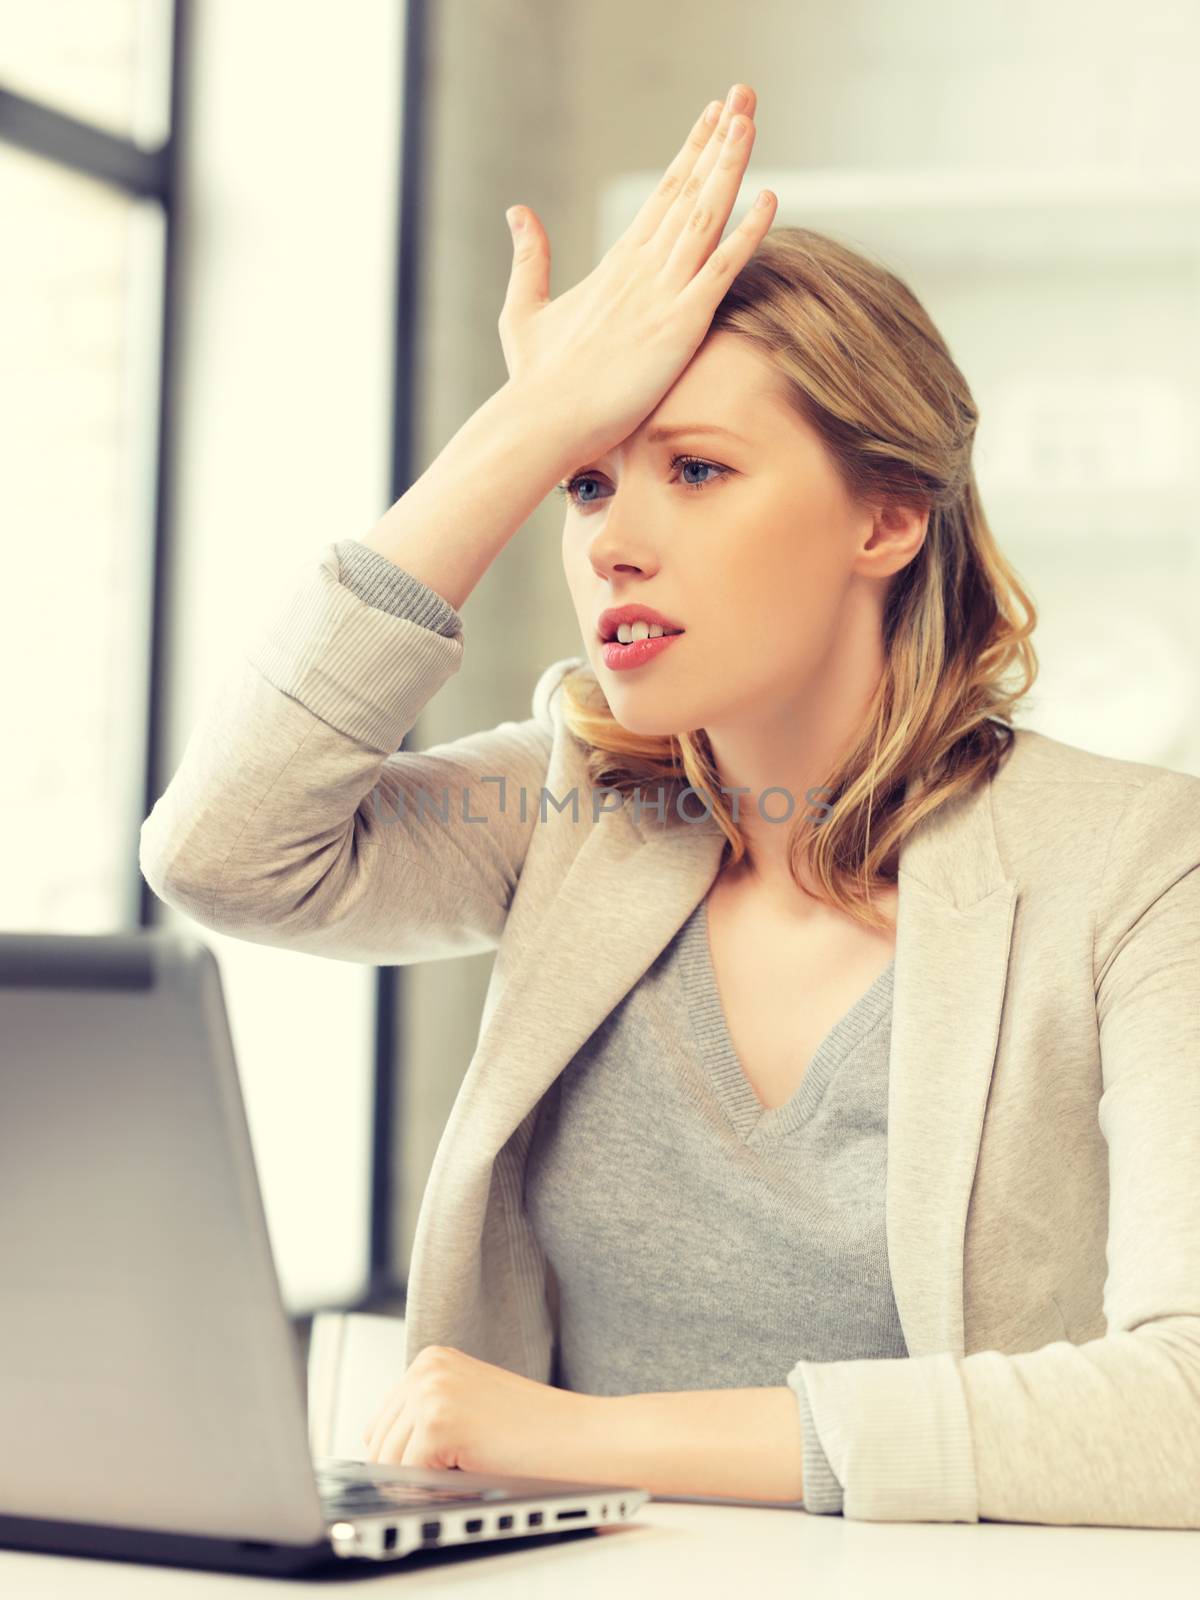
{"points": [[452, 1410]]}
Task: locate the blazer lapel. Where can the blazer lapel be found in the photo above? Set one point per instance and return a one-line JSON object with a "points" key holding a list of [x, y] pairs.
{"points": [[954, 922], [623, 895]]}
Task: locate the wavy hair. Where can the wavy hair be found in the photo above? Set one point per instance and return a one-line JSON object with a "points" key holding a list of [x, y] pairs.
{"points": [[864, 366]]}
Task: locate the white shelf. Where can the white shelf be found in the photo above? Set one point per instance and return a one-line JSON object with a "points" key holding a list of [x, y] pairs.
{"points": [[1084, 215]]}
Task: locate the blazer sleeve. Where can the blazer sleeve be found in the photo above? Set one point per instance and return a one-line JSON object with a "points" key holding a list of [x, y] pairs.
{"points": [[294, 818], [822, 1491], [1106, 1432]]}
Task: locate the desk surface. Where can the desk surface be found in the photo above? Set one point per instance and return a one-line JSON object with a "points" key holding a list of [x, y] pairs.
{"points": [[702, 1551]]}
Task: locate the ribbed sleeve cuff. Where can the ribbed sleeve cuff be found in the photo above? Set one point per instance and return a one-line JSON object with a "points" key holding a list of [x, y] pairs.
{"points": [[362, 670], [822, 1491], [383, 584], [897, 1433]]}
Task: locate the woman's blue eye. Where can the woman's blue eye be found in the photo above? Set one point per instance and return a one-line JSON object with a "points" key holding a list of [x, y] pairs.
{"points": [[570, 489]]}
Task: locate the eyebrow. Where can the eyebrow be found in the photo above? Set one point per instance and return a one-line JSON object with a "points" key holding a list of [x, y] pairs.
{"points": [[657, 435]]}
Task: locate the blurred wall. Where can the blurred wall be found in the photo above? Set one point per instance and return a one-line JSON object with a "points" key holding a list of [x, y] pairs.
{"points": [[544, 101]]}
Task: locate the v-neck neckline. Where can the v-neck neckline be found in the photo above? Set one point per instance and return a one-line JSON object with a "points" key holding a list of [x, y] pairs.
{"points": [[754, 1122]]}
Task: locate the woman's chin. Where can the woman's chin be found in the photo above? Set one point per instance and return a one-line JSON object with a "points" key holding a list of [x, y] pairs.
{"points": [[635, 716]]}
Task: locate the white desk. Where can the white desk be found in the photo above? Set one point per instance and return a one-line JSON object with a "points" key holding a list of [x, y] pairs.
{"points": [[713, 1551]]}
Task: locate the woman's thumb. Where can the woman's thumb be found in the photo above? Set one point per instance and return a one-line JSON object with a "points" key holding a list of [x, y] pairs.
{"points": [[529, 284]]}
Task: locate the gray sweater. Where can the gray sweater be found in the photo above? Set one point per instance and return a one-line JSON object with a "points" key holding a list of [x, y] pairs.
{"points": [[668, 1201]]}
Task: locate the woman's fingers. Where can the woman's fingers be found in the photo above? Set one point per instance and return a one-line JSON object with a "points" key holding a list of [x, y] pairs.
{"points": [[679, 220], [706, 289], [700, 221], [390, 1448], [381, 1423], [656, 205]]}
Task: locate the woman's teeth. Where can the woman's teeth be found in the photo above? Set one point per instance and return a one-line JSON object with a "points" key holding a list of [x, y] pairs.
{"points": [[629, 631]]}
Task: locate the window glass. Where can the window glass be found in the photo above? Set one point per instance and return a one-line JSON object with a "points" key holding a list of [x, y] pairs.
{"points": [[103, 61], [80, 312]]}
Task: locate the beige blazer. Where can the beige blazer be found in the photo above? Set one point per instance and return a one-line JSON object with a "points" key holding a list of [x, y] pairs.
{"points": [[1043, 1183]]}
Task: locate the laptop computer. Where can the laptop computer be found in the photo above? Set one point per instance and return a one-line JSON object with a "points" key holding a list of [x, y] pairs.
{"points": [[152, 1389]]}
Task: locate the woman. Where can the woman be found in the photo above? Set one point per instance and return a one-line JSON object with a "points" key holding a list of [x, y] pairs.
{"points": [[832, 1134]]}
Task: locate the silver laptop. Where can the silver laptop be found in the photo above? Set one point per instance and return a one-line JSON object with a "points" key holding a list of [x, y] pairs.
{"points": [[152, 1388]]}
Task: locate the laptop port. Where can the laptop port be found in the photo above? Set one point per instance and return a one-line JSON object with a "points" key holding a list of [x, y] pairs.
{"points": [[565, 1516], [535, 1519], [504, 1522], [474, 1524], [389, 1538], [430, 1531]]}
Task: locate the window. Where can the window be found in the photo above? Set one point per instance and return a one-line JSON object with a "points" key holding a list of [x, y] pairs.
{"points": [[127, 482]]}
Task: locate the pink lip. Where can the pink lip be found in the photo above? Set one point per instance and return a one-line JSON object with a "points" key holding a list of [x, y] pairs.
{"points": [[610, 620], [620, 657]]}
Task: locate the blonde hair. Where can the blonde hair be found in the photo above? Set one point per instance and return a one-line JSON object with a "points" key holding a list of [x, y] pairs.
{"points": [[863, 364]]}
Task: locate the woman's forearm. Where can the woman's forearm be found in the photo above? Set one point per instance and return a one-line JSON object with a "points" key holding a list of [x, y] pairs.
{"points": [[452, 523], [741, 1444]]}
